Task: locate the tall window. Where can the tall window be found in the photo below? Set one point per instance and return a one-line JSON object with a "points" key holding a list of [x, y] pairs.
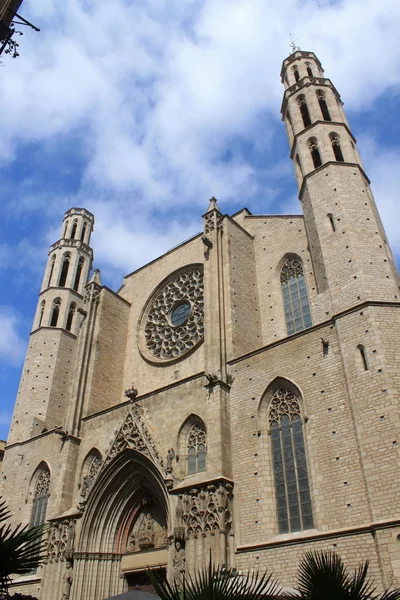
{"points": [[296, 73], [64, 269], [40, 497], [323, 105], [314, 151], [337, 150], [53, 260], [78, 273], [196, 449], [65, 229], [309, 70], [42, 306], [55, 312], [301, 101], [83, 232], [295, 298], [292, 490], [70, 318], [73, 231]]}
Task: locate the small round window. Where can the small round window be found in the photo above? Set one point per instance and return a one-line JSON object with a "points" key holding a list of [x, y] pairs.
{"points": [[180, 313]]}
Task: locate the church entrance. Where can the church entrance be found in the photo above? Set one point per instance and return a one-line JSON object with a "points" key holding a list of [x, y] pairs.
{"points": [[141, 581]]}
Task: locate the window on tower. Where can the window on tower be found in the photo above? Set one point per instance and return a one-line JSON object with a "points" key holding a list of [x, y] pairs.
{"points": [[332, 221], [73, 230], [293, 500], [301, 101], [83, 234], [315, 155], [309, 70], [53, 260], [296, 72], [78, 273], [65, 229], [295, 297], [196, 449], [55, 312], [323, 105], [363, 357], [337, 150], [42, 307], [70, 317], [64, 269]]}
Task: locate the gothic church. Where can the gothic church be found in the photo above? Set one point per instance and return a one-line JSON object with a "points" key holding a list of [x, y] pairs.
{"points": [[239, 394]]}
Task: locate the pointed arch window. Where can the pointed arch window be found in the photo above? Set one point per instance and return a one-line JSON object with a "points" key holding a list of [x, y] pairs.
{"points": [[295, 297], [363, 357], [78, 273], [83, 233], [65, 229], [309, 70], [64, 269], [196, 449], [301, 101], [314, 151], [337, 150], [55, 312], [40, 497], [323, 105], [296, 72], [70, 317], [42, 307], [73, 230], [292, 491], [53, 262]]}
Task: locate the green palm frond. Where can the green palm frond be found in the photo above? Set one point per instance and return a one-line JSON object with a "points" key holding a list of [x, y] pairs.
{"points": [[21, 547], [218, 584]]}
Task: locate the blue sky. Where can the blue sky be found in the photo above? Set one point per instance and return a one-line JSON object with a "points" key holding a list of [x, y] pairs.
{"points": [[141, 110]]}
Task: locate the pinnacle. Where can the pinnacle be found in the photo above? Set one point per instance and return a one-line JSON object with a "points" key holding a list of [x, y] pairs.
{"points": [[213, 205], [95, 278]]}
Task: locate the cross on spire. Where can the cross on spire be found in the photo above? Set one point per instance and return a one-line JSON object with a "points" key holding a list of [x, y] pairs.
{"points": [[292, 44]]}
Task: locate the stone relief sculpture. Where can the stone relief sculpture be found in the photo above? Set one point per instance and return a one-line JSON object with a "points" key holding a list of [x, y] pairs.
{"points": [[170, 458], [205, 510], [61, 540], [149, 530], [178, 563], [67, 581]]}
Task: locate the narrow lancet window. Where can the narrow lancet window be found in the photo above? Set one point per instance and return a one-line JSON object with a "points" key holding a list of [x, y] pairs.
{"points": [[55, 312], [73, 231], [309, 70], [296, 73], [363, 357], [323, 105], [78, 273], [53, 261], [70, 317], [315, 155], [64, 270], [196, 449], [337, 150], [295, 297], [293, 500], [83, 234], [40, 498], [332, 221], [301, 101], [42, 306], [65, 229]]}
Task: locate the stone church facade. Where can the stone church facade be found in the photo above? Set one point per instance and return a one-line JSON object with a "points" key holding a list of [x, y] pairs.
{"points": [[237, 395]]}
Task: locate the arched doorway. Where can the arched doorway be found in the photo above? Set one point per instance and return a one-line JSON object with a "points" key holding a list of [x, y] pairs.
{"points": [[124, 529]]}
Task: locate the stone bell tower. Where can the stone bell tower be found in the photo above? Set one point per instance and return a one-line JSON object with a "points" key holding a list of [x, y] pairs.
{"points": [[42, 396], [349, 248]]}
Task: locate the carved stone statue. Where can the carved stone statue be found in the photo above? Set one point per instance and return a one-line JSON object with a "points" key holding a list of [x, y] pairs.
{"points": [[178, 564], [67, 581], [131, 545], [146, 534], [170, 458]]}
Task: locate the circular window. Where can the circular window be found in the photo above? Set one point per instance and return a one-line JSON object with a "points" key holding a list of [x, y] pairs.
{"points": [[180, 314]]}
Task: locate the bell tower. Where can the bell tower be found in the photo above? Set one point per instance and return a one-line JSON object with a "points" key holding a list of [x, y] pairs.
{"points": [[43, 392], [348, 244]]}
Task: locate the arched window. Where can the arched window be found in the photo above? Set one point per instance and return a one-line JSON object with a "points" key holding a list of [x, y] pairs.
{"points": [[83, 233], [315, 155], [90, 468], [73, 230], [65, 229], [55, 311], [293, 501], [295, 298], [53, 261], [42, 305], [40, 497], [363, 357], [296, 73], [64, 269], [78, 273], [309, 70], [301, 101], [196, 449], [337, 150], [70, 318], [323, 105], [332, 221]]}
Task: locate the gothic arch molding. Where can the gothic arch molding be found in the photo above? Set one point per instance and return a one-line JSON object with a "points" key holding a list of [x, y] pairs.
{"points": [[42, 466], [274, 386], [129, 482]]}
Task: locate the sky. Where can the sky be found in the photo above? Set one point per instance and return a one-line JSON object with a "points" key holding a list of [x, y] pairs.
{"points": [[141, 110]]}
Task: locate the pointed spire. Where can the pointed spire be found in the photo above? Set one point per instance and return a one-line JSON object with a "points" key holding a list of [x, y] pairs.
{"points": [[213, 205], [95, 278]]}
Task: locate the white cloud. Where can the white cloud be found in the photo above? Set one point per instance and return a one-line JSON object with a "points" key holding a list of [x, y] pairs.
{"points": [[12, 347]]}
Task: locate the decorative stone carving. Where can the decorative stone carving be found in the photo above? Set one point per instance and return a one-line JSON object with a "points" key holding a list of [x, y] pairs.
{"points": [[291, 269], [212, 221], [178, 564], [149, 529], [89, 478], [131, 393], [61, 540], [92, 293], [204, 510], [283, 404], [170, 458], [42, 483], [164, 340], [146, 533], [67, 581]]}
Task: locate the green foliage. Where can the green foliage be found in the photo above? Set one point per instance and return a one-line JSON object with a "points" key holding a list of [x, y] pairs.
{"points": [[21, 548], [218, 584], [323, 576]]}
